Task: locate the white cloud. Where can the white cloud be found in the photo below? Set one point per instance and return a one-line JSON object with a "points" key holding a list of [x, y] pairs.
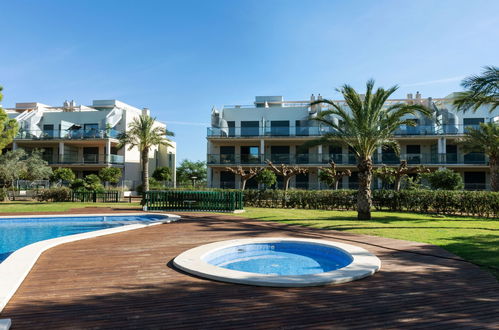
{"points": [[187, 123], [432, 82]]}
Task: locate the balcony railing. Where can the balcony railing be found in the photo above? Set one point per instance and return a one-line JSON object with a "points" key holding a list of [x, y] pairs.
{"points": [[349, 159], [302, 131], [66, 134], [85, 159]]}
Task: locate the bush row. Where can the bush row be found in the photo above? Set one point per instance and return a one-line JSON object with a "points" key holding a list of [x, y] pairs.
{"points": [[477, 203]]}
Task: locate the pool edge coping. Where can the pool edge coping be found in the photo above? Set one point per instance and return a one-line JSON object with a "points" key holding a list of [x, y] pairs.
{"points": [[364, 264], [17, 266]]}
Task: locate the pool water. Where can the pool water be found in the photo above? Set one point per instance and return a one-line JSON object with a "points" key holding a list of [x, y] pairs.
{"points": [[280, 258], [18, 232]]}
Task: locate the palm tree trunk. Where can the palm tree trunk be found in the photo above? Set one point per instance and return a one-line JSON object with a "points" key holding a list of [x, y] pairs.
{"points": [[145, 169], [336, 184], [243, 184], [364, 199], [494, 173]]}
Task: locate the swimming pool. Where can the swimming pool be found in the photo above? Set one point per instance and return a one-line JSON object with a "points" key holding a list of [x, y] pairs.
{"points": [[280, 258], [17, 232], [23, 239], [278, 261]]}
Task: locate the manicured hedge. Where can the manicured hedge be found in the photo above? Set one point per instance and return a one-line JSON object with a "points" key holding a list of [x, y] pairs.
{"points": [[478, 203]]}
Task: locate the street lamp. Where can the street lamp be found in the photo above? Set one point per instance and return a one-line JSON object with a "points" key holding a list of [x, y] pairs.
{"points": [[193, 178]]}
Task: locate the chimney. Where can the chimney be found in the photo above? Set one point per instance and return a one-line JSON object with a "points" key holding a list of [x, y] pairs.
{"points": [[145, 111]]}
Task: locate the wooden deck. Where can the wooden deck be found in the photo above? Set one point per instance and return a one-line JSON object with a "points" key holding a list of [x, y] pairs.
{"points": [[126, 280]]}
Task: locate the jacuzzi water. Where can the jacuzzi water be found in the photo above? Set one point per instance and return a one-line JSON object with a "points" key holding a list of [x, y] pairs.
{"points": [[18, 232], [280, 258]]}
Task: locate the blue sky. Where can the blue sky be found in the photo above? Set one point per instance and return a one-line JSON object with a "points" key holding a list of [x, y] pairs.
{"points": [[179, 58]]}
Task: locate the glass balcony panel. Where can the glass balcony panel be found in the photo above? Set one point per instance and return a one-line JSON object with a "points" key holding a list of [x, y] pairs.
{"points": [[250, 159]]}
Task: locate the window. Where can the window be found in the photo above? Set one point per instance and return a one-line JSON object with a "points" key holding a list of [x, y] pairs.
{"points": [[472, 122], [227, 180], [413, 154], [451, 154], [302, 156], [474, 180], [279, 128], [232, 128], [48, 131], [249, 128], [250, 155], [279, 154], [301, 128], [227, 155], [301, 181]]}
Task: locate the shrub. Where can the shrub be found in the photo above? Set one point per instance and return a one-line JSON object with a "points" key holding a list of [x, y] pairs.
{"points": [[444, 179], [266, 177], [59, 194], [93, 183], [78, 184], [476, 203], [62, 174], [162, 174], [110, 174]]}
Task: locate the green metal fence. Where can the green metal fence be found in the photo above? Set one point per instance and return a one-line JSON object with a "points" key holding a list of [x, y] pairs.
{"points": [[193, 200], [94, 197]]}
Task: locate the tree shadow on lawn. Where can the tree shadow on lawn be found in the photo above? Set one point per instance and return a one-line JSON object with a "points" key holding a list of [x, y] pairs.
{"points": [[481, 249]]}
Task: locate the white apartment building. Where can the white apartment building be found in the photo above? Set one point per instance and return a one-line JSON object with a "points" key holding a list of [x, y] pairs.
{"points": [[84, 138], [274, 129]]}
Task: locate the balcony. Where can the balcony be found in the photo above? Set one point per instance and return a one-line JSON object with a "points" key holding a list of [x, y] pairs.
{"points": [[80, 134], [85, 159], [390, 159], [314, 131]]}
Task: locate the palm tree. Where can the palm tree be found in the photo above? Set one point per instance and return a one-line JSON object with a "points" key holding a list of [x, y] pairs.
{"points": [[485, 139], [482, 90], [368, 124], [144, 134]]}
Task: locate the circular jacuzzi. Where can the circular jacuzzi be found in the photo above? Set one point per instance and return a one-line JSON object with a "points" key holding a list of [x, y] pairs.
{"points": [[279, 262]]}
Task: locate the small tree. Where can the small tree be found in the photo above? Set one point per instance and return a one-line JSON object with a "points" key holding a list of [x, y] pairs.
{"points": [[35, 167], [444, 179], [8, 127], [12, 167], [287, 172], [63, 174], [395, 175], [266, 177], [331, 176], [162, 174], [244, 174], [188, 169], [93, 183], [110, 175]]}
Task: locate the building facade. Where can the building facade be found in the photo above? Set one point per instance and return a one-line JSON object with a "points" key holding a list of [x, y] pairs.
{"points": [[84, 138], [274, 129]]}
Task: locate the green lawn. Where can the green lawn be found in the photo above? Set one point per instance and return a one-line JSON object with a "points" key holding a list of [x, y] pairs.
{"points": [[57, 207], [474, 239]]}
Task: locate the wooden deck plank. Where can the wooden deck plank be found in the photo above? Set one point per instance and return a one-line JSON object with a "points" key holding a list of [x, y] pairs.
{"points": [[126, 280]]}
